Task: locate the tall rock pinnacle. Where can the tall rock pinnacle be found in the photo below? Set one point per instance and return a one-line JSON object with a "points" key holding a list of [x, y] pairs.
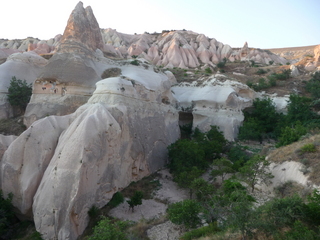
{"points": [[81, 32]]}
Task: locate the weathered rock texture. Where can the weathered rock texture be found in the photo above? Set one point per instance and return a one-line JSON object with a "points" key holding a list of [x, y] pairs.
{"points": [[120, 136], [69, 78], [184, 49], [217, 101]]}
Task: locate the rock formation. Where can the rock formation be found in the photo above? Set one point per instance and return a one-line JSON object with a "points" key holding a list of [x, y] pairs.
{"points": [[69, 78], [217, 101], [119, 136]]}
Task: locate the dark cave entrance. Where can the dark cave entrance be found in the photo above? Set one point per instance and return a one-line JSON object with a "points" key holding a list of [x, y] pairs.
{"points": [[185, 124]]}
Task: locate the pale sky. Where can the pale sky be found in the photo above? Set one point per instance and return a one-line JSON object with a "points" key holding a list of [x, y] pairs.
{"points": [[262, 23]]}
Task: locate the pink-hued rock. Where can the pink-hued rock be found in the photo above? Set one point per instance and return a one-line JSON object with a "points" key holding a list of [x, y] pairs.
{"points": [[82, 32]]}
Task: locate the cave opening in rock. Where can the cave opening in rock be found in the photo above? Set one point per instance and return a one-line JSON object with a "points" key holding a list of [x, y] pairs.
{"points": [[185, 124]]}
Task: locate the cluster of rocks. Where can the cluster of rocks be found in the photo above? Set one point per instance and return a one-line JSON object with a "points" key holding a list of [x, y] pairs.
{"points": [[96, 124]]}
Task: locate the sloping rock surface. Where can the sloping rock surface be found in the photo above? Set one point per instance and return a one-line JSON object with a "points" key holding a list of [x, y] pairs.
{"points": [[120, 136]]}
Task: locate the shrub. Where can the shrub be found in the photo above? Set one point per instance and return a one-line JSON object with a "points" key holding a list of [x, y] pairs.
{"points": [[201, 232], [135, 62], [271, 62], [313, 85], [185, 212], [135, 200], [19, 93], [309, 147], [221, 65], [184, 154], [261, 71], [93, 211], [106, 230], [291, 134], [6, 215], [116, 199], [208, 70]]}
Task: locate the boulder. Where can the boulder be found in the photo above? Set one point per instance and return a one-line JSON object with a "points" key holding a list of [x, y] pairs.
{"points": [[294, 71]]}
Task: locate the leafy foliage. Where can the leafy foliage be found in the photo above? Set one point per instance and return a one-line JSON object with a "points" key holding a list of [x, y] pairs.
{"points": [[19, 93], [135, 62], [185, 212], [222, 167], [256, 170], [309, 147], [313, 85], [291, 134], [6, 215], [261, 121], [116, 199], [93, 211], [184, 154], [135, 200], [106, 230], [201, 232]]}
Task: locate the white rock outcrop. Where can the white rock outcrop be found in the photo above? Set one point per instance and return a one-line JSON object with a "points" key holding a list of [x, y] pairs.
{"points": [[217, 101], [119, 136]]}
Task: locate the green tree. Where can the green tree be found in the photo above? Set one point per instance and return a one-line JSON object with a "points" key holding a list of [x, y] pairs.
{"points": [[184, 179], [184, 154], [291, 134], [313, 85], [19, 93], [185, 212], [299, 109], [135, 200], [222, 167], [212, 142], [106, 230], [256, 170]]}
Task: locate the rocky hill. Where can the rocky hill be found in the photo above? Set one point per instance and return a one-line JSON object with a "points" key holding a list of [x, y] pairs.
{"points": [[105, 106]]}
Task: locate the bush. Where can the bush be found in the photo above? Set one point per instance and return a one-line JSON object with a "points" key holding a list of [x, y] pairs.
{"points": [[106, 230], [309, 147], [261, 71], [93, 211], [313, 85], [261, 121], [116, 199], [208, 70], [185, 212], [6, 216], [184, 154], [135, 200], [221, 65], [291, 134], [135, 62], [201, 232], [19, 93]]}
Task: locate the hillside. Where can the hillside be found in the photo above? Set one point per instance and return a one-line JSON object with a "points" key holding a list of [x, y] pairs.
{"points": [[108, 109]]}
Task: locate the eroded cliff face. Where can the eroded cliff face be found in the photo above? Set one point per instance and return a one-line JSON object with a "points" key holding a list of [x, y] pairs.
{"points": [[119, 136]]}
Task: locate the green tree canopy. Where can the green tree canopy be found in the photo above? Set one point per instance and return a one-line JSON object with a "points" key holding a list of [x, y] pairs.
{"points": [[19, 93]]}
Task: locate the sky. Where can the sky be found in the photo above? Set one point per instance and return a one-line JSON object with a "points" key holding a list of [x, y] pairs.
{"points": [[262, 23]]}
